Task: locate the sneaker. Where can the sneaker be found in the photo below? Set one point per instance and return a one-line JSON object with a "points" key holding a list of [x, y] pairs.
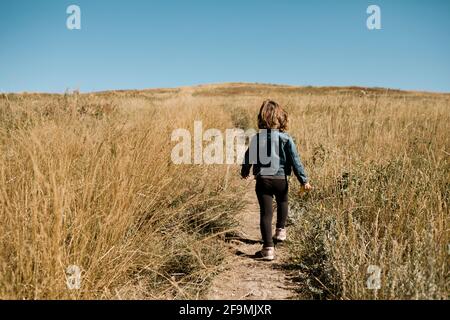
{"points": [[268, 253], [280, 234]]}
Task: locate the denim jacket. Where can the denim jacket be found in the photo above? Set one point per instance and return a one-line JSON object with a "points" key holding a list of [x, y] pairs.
{"points": [[268, 163]]}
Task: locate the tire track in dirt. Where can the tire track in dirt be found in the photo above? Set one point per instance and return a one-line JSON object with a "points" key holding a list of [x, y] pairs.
{"points": [[245, 276]]}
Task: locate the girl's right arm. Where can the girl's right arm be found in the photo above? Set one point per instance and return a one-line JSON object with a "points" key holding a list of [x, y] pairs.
{"points": [[249, 158], [246, 166]]}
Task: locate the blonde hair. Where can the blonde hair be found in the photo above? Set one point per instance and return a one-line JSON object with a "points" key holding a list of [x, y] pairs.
{"points": [[272, 116]]}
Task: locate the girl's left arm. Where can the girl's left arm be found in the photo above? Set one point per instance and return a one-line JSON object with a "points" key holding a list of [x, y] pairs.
{"points": [[299, 169]]}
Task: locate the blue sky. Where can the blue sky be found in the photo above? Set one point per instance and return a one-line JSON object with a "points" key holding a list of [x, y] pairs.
{"points": [[139, 44]]}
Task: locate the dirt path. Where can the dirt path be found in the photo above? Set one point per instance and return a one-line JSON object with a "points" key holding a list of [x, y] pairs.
{"points": [[245, 276]]}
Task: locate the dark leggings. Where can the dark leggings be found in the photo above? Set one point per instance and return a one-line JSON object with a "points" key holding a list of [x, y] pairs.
{"points": [[266, 188]]}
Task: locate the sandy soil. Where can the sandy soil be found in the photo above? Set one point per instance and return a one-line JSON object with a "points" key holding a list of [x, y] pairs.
{"points": [[246, 276]]}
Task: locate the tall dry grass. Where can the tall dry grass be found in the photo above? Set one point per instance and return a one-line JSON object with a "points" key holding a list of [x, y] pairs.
{"points": [[380, 165], [379, 162], [87, 180]]}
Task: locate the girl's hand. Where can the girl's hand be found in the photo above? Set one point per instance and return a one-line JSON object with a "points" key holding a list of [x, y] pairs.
{"points": [[305, 188]]}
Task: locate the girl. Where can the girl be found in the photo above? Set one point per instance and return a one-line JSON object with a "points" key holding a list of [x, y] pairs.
{"points": [[273, 155]]}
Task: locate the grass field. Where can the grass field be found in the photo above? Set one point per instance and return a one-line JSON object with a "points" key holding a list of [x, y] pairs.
{"points": [[87, 180]]}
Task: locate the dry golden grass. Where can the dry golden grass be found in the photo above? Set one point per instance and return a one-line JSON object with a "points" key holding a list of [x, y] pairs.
{"points": [[380, 165], [87, 180]]}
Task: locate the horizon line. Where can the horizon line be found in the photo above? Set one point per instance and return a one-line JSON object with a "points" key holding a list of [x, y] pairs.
{"points": [[354, 87]]}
